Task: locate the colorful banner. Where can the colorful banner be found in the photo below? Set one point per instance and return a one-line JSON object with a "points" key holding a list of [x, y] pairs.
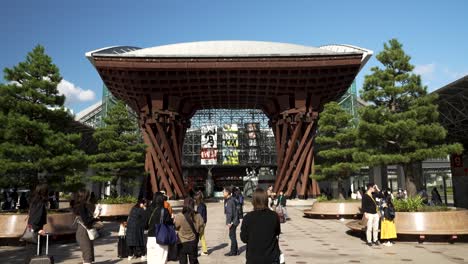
{"points": [[253, 132], [230, 144], [209, 156], [209, 145], [230, 156]]}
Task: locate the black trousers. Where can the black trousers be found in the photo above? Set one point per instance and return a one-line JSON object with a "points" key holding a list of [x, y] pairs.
{"points": [[136, 251], [190, 250], [232, 236]]}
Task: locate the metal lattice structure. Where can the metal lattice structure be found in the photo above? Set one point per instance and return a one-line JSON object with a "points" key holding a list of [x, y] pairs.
{"points": [[220, 117], [453, 109]]}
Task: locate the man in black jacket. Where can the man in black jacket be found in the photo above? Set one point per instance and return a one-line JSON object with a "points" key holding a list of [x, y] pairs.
{"points": [[232, 220], [370, 209]]}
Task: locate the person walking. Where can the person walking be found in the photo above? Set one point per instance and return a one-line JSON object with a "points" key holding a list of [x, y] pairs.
{"points": [[370, 209], [232, 220], [189, 226], [135, 233], [83, 210], [281, 205], [260, 231], [37, 219], [388, 229], [155, 253], [202, 211]]}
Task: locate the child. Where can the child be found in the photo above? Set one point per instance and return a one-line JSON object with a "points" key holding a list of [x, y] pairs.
{"points": [[122, 251], [388, 230]]}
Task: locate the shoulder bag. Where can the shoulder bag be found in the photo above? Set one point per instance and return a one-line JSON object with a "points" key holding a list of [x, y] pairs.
{"points": [[92, 232], [165, 234]]}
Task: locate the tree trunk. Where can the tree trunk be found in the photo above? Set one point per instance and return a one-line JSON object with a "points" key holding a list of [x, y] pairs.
{"points": [[413, 178]]}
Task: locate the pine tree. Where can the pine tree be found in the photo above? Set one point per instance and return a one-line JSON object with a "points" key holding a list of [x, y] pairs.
{"points": [[336, 141], [33, 119], [120, 155], [400, 126]]}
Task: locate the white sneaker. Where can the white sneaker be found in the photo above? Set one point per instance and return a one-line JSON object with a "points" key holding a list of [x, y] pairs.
{"points": [[143, 258], [203, 254], [130, 258]]}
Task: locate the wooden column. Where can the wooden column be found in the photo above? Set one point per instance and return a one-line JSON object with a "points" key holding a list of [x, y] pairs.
{"points": [[295, 133], [163, 134]]}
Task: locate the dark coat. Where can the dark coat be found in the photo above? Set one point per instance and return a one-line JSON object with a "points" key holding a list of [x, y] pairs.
{"points": [[136, 227], [37, 215], [230, 210], [201, 209], [154, 217], [260, 230]]}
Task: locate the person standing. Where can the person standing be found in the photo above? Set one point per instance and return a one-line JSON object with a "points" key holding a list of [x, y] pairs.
{"points": [[155, 253], [23, 202], [189, 226], [271, 197], [370, 209], [435, 197], [83, 210], [203, 212], [260, 230], [232, 220], [37, 218], [388, 229], [135, 234]]}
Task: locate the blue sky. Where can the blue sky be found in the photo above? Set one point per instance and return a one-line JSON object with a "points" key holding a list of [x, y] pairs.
{"points": [[435, 35]]}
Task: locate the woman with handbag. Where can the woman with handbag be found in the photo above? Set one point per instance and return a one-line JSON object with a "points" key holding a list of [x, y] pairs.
{"points": [[37, 219], [189, 226], [156, 253], [260, 231], [83, 210]]}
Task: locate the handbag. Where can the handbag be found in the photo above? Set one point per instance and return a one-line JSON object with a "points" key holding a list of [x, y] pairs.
{"points": [[92, 232], [29, 235], [165, 234]]}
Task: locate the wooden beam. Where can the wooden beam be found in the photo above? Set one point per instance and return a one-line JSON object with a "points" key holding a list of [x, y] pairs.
{"points": [[290, 149], [175, 166], [305, 176], [151, 148], [295, 175], [165, 164], [298, 152]]}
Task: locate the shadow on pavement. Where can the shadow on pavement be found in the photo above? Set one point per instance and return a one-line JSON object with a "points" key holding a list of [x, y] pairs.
{"points": [[218, 247], [242, 249]]}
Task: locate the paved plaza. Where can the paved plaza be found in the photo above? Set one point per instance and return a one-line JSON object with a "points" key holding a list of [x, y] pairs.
{"points": [[303, 241]]}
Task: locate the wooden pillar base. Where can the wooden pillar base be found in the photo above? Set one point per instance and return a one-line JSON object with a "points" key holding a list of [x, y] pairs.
{"points": [[295, 132], [163, 133]]}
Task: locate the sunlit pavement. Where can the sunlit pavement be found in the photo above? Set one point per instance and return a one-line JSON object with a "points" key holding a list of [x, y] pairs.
{"points": [[302, 240]]}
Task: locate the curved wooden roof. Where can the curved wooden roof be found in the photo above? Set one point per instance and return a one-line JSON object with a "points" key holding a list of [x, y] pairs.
{"points": [[228, 74]]}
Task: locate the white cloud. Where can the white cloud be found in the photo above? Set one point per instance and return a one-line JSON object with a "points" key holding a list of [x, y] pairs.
{"points": [[75, 94], [426, 71]]}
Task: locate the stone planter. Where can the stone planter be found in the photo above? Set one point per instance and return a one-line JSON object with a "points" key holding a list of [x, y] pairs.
{"points": [[334, 209], [112, 210], [452, 223], [13, 225]]}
